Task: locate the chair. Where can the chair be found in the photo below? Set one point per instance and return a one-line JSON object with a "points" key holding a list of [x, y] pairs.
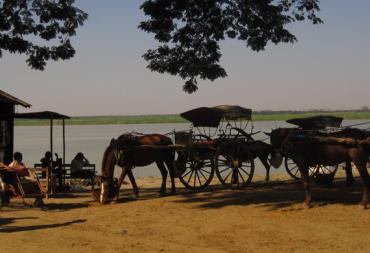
{"points": [[31, 187]]}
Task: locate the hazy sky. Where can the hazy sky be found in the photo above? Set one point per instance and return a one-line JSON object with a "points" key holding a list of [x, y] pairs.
{"points": [[328, 68]]}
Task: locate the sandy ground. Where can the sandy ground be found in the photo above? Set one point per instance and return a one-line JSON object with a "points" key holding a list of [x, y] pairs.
{"points": [[263, 218]]}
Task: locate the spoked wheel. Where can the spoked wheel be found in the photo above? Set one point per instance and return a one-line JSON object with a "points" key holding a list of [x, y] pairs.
{"points": [[322, 169], [234, 164], [198, 174], [292, 169]]}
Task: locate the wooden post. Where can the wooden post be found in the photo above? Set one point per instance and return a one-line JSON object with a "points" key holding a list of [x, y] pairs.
{"points": [[51, 150], [64, 143], [64, 151]]}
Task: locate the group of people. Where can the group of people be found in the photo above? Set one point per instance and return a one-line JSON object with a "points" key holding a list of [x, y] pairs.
{"points": [[18, 168]]}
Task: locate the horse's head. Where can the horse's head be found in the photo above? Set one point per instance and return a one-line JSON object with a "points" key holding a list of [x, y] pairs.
{"points": [[112, 156], [277, 139]]}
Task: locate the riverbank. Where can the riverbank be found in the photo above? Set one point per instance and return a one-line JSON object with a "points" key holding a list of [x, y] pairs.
{"points": [[154, 119], [263, 218]]}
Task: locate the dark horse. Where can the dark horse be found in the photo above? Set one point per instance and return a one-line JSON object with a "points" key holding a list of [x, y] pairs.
{"points": [[281, 134], [307, 152], [132, 150]]}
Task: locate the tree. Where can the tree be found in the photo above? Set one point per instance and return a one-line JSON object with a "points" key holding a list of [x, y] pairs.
{"points": [[39, 29], [365, 108], [189, 31]]}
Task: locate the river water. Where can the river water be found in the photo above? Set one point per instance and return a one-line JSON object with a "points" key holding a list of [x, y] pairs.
{"points": [[92, 140]]}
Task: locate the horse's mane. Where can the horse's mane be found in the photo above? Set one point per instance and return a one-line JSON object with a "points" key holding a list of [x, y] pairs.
{"points": [[104, 160]]}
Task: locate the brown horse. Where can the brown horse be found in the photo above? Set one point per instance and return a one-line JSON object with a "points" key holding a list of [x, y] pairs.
{"points": [[130, 151], [307, 152]]}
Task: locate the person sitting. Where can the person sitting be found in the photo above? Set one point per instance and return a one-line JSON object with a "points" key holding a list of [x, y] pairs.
{"points": [[47, 162], [17, 165], [77, 165], [16, 176], [14, 169]]}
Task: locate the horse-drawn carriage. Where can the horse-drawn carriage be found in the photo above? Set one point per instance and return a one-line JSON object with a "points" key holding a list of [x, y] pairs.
{"points": [[313, 125], [216, 142], [312, 150], [220, 140]]}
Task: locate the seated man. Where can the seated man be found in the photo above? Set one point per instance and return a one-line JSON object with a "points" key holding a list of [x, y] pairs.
{"points": [[77, 165], [47, 162], [16, 175], [16, 167]]}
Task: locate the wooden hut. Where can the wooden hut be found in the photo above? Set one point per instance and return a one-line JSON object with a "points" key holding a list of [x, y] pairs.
{"points": [[7, 111]]}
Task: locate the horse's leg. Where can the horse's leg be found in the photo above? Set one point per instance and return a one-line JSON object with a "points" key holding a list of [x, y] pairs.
{"points": [[267, 166], [303, 169], [163, 171], [120, 181], [361, 167], [130, 175], [171, 170], [349, 175]]}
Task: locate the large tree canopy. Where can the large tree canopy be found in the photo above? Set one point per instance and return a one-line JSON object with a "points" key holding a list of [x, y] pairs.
{"points": [[189, 31], [40, 29]]}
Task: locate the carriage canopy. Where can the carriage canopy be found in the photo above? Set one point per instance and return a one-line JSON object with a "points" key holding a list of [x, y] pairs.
{"points": [[316, 122], [211, 116]]}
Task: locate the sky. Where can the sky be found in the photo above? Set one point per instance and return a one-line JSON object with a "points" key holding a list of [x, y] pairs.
{"points": [[328, 68]]}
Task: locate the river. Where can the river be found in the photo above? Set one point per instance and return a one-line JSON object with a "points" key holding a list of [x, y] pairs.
{"points": [[92, 140]]}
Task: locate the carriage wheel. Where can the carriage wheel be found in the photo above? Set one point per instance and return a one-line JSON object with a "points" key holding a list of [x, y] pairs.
{"points": [[198, 174], [234, 165], [321, 169], [292, 169]]}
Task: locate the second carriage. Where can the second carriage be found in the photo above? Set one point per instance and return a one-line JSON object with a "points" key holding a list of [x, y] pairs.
{"points": [[218, 141], [321, 124]]}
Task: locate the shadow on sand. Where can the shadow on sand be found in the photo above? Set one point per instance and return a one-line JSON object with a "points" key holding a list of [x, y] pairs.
{"points": [[273, 195], [276, 195], [13, 229]]}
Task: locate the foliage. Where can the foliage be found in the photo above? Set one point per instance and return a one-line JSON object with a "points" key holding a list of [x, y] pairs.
{"points": [[189, 31], [40, 29]]}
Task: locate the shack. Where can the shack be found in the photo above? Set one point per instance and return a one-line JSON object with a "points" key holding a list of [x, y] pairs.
{"points": [[7, 112]]}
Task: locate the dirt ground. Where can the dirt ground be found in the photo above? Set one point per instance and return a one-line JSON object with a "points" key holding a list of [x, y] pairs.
{"points": [[267, 217]]}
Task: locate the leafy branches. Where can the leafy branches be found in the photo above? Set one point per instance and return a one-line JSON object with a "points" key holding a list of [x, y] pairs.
{"points": [[39, 29], [189, 31]]}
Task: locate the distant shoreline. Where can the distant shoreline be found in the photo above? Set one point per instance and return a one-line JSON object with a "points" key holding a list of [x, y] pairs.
{"points": [[162, 119]]}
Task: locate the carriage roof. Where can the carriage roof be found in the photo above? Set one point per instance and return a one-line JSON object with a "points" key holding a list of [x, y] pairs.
{"points": [[316, 122], [211, 116], [234, 112]]}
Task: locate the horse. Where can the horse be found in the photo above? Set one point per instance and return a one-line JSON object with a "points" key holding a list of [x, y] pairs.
{"points": [[282, 133], [132, 150], [306, 151], [262, 151]]}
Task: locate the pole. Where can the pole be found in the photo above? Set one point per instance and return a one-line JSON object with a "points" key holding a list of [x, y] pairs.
{"points": [[64, 143]]}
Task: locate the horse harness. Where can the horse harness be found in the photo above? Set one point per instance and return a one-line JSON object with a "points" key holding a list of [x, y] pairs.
{"points": [[120, 151]]}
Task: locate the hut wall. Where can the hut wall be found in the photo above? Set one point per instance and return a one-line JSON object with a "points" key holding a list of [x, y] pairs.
{"points": [[6, 132]]}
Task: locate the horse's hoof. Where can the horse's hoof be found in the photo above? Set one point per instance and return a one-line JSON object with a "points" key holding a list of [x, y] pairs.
{"points": [[363, 206], [307, 205]]}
